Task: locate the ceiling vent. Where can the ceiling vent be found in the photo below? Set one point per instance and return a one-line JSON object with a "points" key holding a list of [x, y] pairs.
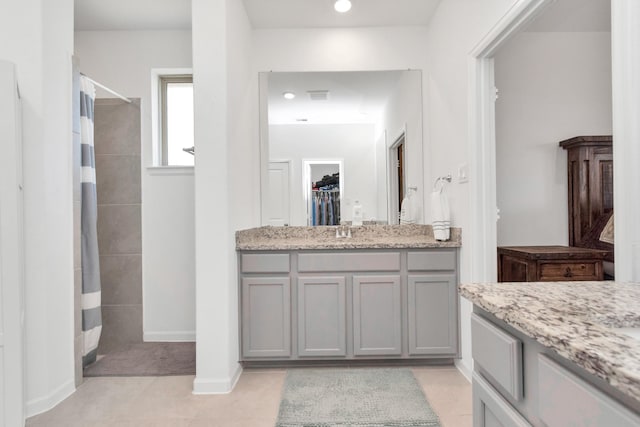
{"points": [[318, 95]]}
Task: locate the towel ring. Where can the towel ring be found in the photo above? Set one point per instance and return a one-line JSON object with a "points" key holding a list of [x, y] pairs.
{"points": [[440, 179]]}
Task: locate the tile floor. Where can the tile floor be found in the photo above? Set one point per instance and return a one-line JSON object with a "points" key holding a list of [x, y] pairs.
{"points": [[167, 401]]}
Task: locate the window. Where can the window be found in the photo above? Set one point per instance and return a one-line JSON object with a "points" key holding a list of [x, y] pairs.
{"points": [[176, 118]]}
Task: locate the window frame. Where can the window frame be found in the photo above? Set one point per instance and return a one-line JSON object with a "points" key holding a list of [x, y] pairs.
{"points": [[163, 79]]}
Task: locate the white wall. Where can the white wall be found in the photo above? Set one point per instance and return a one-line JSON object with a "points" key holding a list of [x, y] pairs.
{"points": [[553, 86], [403, 113], [227, 180], [11, 251], [456, 27], [347, 49], [352, 143], [122, 60], [38, 37]]}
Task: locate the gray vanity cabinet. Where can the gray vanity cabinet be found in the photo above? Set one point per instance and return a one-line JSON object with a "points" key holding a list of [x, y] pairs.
{"points": [[266, 317], [348, 304], [377, 315], [322, 316], [433, 318], [519, 382], [492, 410]]}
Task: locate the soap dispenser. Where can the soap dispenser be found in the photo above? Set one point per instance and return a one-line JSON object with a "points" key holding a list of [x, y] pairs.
{"points": [[356, 219]]}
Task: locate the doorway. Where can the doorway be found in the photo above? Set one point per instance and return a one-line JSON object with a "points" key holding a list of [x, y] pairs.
{"points": [[323, 185], [397, 167]]}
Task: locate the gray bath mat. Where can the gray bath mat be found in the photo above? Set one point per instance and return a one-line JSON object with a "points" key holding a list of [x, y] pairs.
{"points": [[389, 397], [146, 359]]}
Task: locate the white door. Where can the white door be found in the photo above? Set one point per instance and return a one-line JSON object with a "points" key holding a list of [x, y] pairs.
{"points": [[277, 203], [11, 253]]}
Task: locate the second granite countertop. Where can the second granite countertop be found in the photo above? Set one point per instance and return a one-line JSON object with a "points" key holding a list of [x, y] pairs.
{"points": [[363, 237], [579, 320]]}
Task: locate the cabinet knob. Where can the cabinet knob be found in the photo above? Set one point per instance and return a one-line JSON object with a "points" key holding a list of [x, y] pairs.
{"points": [[568, 273]]}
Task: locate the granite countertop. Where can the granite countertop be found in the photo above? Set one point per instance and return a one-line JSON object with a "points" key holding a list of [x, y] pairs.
{"points": [[363, 237], [576, 319]]}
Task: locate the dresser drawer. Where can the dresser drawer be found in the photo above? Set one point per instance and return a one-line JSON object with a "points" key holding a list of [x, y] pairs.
{"points": [[568, 400], [560, 271], [498, 355]]}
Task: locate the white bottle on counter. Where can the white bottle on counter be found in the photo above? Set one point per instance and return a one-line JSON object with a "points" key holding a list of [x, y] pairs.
{"points": [[356, 218]]}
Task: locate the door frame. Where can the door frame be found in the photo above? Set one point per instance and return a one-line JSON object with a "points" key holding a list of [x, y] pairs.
{"points": [[393, 196], [482, 136]]}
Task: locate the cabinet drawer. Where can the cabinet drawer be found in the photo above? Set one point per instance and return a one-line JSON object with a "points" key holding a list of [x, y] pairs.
{"points": [[569, 271], [498, 354], [565, 399], [431, 260], [265, 263], [339, 262]]}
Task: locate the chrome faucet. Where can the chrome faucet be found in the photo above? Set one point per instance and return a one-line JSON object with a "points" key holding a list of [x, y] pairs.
{"points": [[343, 231]]}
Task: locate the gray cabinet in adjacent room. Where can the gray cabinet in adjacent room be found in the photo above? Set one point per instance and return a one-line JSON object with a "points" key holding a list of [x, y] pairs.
{"points": [[266, 317], [377, 317], [322, 316], [433, 318]]}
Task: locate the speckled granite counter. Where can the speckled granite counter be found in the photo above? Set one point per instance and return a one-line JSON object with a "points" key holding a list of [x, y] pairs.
{"points": [[363, 237], [576, 319]]}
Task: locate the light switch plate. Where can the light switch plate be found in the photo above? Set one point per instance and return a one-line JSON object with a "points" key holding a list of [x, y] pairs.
{"points": [[463, 173]]}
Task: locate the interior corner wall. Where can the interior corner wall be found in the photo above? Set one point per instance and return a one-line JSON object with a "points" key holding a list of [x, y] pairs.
{"points": [[455, 29], [38, 38], [122, 60], [552, 86], [353, 143]]}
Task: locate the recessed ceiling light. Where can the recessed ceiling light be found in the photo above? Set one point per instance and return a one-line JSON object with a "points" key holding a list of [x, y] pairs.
{"points": [[289, 95], [342, 6]]}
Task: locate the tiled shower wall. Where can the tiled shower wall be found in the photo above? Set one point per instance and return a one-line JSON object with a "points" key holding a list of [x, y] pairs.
{"points": [[117, 149]]}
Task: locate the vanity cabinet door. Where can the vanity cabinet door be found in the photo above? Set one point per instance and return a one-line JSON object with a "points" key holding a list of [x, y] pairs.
{"points": [[377, 322], [432, 314], [492, 410], [322, 316], [266, 317]]}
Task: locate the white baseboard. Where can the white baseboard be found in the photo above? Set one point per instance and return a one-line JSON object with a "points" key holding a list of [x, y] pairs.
{"points": [[464, 369], [170, 336], [45, 403], [216, 386]]}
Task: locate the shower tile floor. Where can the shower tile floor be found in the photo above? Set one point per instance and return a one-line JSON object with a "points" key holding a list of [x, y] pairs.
{"points": [[168, 401]]}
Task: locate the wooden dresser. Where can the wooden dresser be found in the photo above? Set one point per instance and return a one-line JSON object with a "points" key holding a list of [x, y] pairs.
{"points": [[549, 263], [590, 185]]}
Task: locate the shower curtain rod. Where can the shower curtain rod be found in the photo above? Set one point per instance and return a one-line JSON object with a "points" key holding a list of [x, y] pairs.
{"points": [[111, 91]]}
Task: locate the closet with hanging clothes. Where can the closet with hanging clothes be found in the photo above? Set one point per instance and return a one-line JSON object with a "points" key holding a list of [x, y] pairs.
{"points": [[324, 205]]}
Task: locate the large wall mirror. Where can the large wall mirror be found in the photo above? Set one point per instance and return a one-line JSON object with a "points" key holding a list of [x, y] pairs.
{"points": [[329, 140]]}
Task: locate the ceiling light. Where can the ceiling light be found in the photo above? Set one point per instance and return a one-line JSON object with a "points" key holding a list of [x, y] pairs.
{"points": [[289, 95], [342, 6]]}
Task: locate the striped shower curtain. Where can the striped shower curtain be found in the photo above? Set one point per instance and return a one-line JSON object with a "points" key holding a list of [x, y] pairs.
{"points": [[91, 293]]}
